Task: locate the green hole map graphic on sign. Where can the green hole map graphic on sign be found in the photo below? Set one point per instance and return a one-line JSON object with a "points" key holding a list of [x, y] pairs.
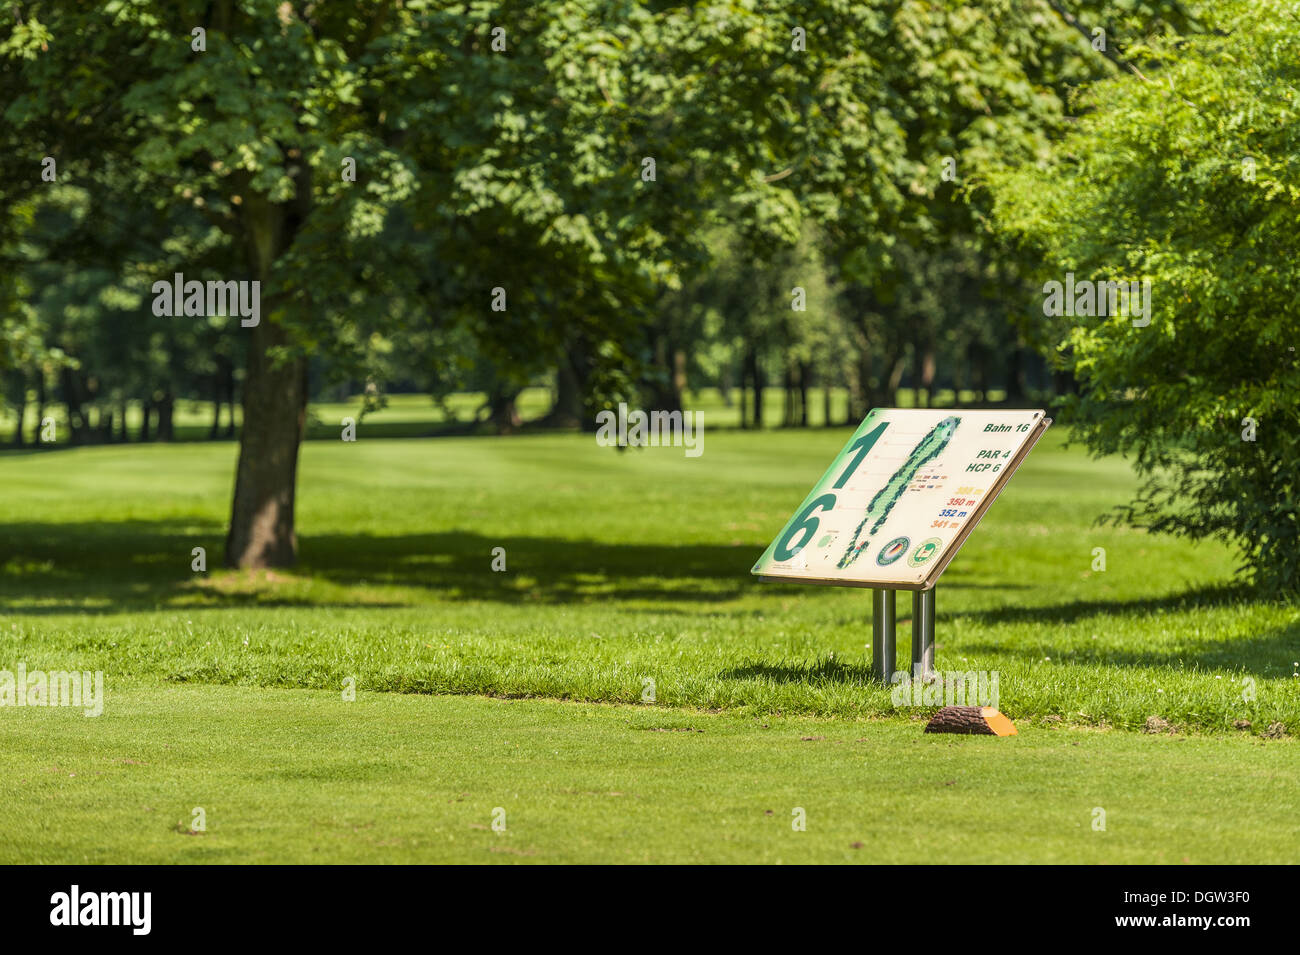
{"points": [[926, 451], [901, 497]]}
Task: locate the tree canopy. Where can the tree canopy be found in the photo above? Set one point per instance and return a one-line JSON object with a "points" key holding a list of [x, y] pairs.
{"points": [[1182, 174], [623, 196]]}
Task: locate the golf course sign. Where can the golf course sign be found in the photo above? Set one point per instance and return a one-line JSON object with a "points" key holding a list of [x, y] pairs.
{"points": [[901, 497]]}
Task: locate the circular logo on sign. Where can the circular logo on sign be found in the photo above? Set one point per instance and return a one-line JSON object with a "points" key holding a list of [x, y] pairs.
{"points": [[924, 551], [892, 551]]}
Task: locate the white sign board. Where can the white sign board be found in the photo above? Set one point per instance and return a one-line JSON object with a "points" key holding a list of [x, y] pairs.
{"points": [[897, 503]]}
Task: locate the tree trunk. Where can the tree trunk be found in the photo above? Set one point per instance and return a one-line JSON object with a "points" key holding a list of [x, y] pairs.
{"points": [[72, 400], [215, 428], [895, 380], [1064, 382], [501, 410], [1015, 375], [746, 378], [827, 404], [804, 373], [20, 409], [724, 384], [146, 409], [40, 404], [679, 376], [744, 393], [567, 410], [979, 372], [788, 412], [960, 380], [166, 415], [262, 530], [229, 370], [664, 388], [924, 368], [858, 376]]}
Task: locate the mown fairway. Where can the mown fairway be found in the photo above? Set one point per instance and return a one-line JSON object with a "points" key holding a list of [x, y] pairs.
{"points": [[622, 568], [293, 775]]}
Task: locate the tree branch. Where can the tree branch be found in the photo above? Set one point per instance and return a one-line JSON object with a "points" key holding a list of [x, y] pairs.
{"points": [[1072, 21]]}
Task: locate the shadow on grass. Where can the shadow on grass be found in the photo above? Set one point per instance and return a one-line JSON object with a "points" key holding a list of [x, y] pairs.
{"points": [[1209, 597], [825, 670], [1267, 652], [1260, 655], [107, 567], [101, 567]]}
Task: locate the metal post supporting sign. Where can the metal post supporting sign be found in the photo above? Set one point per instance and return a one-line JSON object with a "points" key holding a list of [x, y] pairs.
{"points": [[922, 634], [884, 634]]}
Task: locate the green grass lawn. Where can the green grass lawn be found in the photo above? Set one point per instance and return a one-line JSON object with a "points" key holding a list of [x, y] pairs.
{"points": [[622, 568], [302, 776]]}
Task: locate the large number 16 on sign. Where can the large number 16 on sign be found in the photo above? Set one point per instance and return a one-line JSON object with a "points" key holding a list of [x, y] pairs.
{"points": [[806, 521]]}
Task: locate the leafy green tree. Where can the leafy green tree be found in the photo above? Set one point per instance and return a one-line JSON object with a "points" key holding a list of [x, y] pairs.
{"points": [[1181, 173], [496, 147]]}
